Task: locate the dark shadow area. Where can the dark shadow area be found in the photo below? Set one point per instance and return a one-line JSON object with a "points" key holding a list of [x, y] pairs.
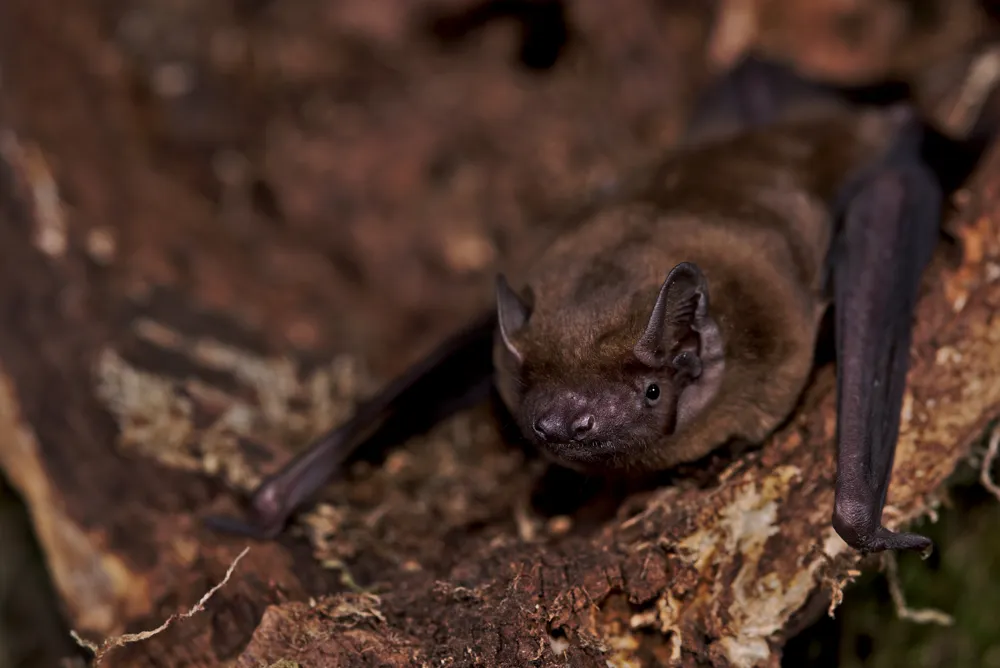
{"points": [[33, 632], [543, 26]]}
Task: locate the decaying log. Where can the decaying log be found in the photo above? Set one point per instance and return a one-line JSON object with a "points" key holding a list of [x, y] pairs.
{"points": [[181, 288]]}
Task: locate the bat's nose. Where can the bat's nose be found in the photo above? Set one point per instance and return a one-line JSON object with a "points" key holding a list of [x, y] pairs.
{"points": [[554, 427], [582, 425], [548, 427]]}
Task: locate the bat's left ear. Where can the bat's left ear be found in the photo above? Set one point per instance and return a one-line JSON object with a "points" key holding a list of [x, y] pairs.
{"points": [[682, 334], [512, 315]]}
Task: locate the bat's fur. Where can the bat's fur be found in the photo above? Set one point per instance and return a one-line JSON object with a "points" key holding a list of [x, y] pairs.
{"points": [[685, 313], [752, 210]]}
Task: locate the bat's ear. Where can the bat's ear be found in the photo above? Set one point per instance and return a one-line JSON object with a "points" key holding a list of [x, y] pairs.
{"points": [[512, 315], [680, 331], [681, 306], [682, 334]]}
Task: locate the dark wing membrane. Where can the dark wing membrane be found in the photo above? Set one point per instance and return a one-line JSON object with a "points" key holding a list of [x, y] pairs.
{"points": [[755, 93]]}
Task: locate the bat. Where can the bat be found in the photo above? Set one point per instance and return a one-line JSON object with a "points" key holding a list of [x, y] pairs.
{"points": [[685, 312]]}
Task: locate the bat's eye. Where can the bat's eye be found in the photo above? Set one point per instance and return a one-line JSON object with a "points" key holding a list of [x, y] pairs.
{"points": [[652, 393]]}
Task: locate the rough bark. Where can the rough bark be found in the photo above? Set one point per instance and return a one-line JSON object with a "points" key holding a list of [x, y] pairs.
{"points": [[202, 204]]}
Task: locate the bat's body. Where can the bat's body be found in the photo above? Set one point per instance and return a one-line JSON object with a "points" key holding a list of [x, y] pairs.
{"points": [[753, 218], [686, 313]]}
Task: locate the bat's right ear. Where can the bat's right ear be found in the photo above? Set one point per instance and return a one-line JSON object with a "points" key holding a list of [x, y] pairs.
{"points": [[512, 315], [681, 333], [680, 327]]}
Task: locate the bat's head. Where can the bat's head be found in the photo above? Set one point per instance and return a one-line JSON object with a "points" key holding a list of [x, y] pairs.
{"points": [[603, 398]]}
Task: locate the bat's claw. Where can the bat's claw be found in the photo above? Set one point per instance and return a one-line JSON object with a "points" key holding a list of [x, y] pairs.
{"points": [[888, 540], [871, 538]]}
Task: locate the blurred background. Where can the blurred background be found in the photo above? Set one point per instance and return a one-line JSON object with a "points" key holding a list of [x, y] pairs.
{"points": [[347, 175]]}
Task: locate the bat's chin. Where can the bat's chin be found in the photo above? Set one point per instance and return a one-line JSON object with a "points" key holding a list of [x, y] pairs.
{"points": [[588, 454]]}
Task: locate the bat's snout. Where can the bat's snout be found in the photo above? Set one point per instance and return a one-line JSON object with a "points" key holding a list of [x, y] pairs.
{"points": [[561, 427]]}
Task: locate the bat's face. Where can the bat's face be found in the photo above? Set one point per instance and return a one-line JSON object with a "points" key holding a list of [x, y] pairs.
{"points": [[607, 403], [602, 419]]}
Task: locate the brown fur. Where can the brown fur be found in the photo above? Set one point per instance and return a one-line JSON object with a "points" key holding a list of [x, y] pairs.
{"points": [[752, 212]]}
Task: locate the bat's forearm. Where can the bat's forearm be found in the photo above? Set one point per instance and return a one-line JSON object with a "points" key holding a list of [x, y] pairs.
{"points": [[889, 233], [455, 374]]}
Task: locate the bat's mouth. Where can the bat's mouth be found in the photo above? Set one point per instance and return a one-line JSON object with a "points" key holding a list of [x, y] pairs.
{"points": [[597, 452]]}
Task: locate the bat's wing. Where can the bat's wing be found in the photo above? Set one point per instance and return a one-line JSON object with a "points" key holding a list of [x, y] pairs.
{"points": [[756, 92], [889, 227], [457, 373], [889, 215]]}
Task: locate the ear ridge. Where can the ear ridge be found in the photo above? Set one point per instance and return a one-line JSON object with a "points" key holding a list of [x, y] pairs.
{"points": [[512, 315], [681, 305]]}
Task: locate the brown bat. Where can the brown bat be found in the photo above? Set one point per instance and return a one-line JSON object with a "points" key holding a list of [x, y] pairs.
{"points": [[685, 313]]}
